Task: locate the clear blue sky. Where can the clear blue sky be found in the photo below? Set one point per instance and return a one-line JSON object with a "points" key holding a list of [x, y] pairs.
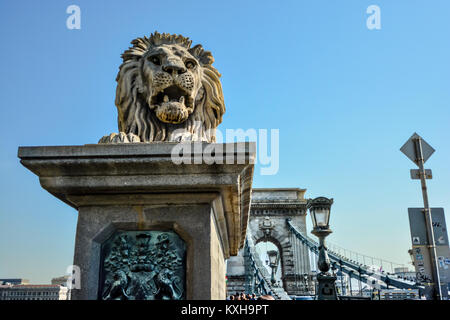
{"points": [[344, 98]]}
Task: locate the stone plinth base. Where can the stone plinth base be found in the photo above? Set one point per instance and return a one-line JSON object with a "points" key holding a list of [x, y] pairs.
{"points": [[326, 287], [236, 285], [134, 187]]}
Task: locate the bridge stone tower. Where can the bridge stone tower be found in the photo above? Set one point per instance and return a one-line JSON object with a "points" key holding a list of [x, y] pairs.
{"points": [[268, 213]]}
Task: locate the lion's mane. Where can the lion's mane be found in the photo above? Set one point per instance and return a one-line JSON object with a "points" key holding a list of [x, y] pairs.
{"points": [[134, 114]]}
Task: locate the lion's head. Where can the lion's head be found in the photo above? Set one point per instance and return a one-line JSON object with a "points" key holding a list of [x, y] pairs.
{"points": [[168, 91]]}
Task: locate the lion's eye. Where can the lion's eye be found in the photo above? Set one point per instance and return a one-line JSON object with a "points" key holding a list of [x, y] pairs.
{"points": [[190, 65], [155, 60]]}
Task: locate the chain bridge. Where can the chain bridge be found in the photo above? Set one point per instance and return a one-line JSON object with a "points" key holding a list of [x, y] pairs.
{"points": [[278, 222]]}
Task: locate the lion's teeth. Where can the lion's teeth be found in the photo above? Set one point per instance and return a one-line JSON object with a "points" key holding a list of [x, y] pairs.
{"points": [[181, 99], [166, 98]]}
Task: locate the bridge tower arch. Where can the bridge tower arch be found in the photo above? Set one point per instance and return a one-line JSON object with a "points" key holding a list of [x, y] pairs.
{"points": [[267, 222], [266, 244]]}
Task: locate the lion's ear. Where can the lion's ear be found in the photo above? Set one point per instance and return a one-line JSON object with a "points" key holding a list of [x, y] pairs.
{"points": [[205, 57]]}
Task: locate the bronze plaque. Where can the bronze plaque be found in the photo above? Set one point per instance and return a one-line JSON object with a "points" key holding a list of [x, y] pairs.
{"points": [[143, 265]]}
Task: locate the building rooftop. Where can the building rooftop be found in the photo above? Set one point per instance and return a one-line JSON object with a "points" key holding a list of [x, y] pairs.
{"points": [[32, 286], [273, 194]]}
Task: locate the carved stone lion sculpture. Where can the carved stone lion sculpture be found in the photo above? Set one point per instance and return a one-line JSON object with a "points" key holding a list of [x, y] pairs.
{"points": [[167, 91]]}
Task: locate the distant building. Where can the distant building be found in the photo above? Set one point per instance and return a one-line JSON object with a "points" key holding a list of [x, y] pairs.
{"points": [[62, 281], [399, 294], [33, 292], [405, 273], [366, 292], [14, 281]]}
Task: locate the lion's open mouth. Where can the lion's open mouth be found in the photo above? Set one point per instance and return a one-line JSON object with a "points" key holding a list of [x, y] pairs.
{"points": [[173, 94], [172, 105]]}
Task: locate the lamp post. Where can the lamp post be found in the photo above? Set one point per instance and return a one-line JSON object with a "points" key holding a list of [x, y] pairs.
{"points": [[273, 262], [319, 209]]}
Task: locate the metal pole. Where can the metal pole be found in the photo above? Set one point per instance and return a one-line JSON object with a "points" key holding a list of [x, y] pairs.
{"points": [[298, 270], [305, 267], [299, 261], [428, 219], [294, 248], [350, 282], [360, 284]]}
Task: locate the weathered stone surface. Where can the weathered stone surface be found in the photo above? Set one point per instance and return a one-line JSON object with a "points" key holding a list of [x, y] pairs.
{"points": [[132, 173], [193, 223], [167, 91], [133, 187]]}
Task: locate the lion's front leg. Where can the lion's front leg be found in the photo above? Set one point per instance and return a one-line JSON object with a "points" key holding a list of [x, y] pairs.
{"points": [[120, 137]]}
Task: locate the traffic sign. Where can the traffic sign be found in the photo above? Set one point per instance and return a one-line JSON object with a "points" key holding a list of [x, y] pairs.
{"points": [[419, 230], [421, 246], [409, 149], [418, 150], [415, 174]]}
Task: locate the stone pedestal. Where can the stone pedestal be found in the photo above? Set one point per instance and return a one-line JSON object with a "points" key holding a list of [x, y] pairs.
{"points": [[134, 187], [326, 287]]}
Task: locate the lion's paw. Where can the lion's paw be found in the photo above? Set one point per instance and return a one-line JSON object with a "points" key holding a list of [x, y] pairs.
{"points": [[120, 137]]}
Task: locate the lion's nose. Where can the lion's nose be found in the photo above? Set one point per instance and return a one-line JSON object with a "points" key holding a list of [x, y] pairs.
{"points": [[173, 67]]}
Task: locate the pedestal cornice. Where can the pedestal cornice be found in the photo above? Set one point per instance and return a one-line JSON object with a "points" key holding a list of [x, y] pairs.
{"points": [[144, 173]]}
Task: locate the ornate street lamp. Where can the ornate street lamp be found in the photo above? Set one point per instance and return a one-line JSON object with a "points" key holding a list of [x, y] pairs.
{"points": [[319, 209], [273, 260]]}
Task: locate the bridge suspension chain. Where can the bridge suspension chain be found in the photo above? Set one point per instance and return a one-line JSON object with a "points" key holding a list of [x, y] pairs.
{"points": [[364, 259], [302, 265], [354, 269]]}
